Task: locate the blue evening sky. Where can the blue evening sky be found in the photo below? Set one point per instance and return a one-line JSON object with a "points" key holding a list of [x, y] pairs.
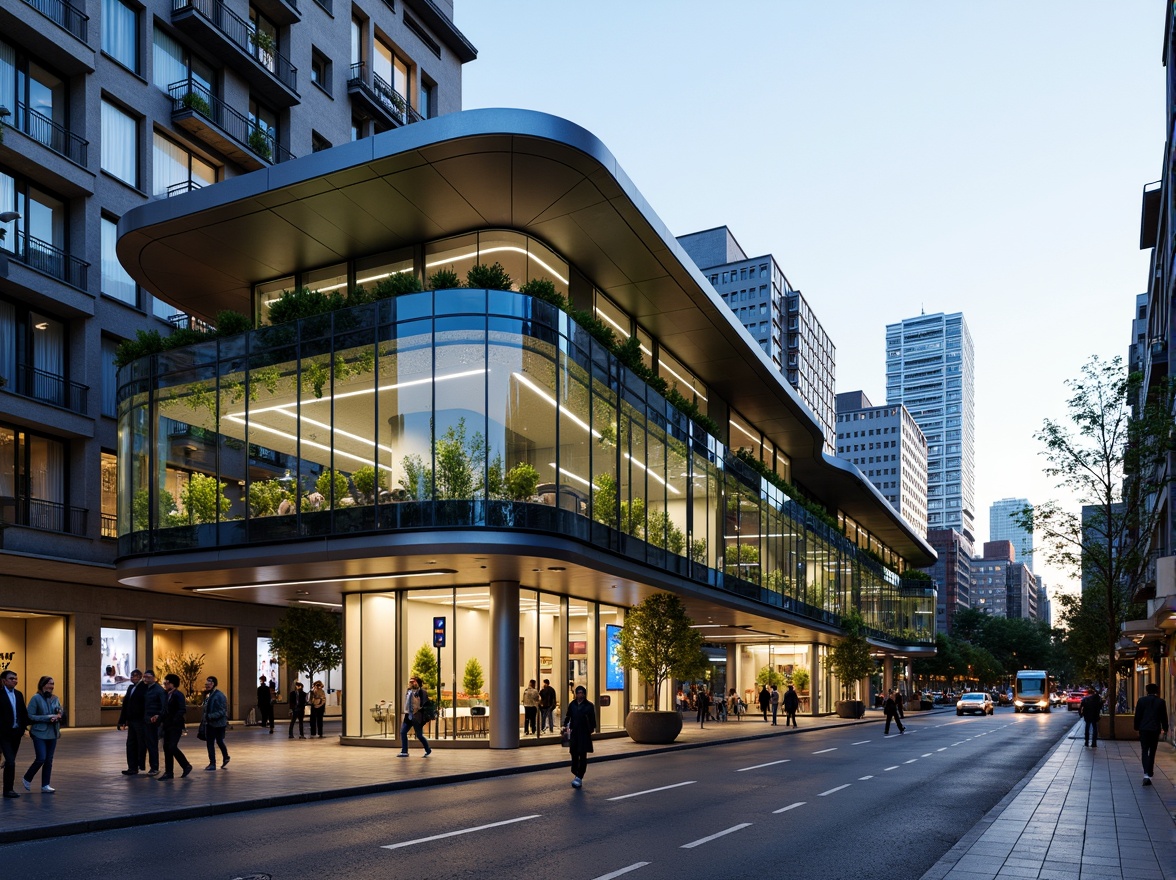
{"points": [[984, 157]]}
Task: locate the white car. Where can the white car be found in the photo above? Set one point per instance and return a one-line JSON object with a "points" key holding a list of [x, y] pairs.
{"points": [[975, 702]]}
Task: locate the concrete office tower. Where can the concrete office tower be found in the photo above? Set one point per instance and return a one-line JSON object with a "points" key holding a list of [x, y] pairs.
{"points": [[952, 573], [1002, 586], [930, 369], [1044, 606], [887, 446], [1003, 527], [777, 316], [113, 105]]}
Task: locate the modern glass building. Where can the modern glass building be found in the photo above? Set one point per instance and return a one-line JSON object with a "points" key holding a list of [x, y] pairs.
{"points": [[483, 461]]}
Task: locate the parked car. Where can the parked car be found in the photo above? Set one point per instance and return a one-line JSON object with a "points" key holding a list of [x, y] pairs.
{"points": [[973, 703], [1004, 698], [1074, 700]]}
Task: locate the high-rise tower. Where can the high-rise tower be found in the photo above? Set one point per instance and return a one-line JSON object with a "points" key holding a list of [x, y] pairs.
{"points": [[1002, 527]]}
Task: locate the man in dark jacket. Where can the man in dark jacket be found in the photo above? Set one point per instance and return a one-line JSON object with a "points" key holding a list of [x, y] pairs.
{"points": [[1151, 717], [172, 724], [791, 704], [265, 704], [14, 720], [298, 700], [765, 700], [547, 699], [580, 722], [890, 710], [154, 704], [1090, 708], [131, 720]]}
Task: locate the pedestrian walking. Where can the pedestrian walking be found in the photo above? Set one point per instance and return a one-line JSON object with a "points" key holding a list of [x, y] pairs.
{"points": [[318, 708], [14, 720], [130, 719], [298, 710], [265, 704], [171, 723], [791, 704], [547, 699], [580, 723], [154, 706], [531, 709], [732, 703], [703, 701], [1090, 708], [45, 715], [1151, 718], [765, 701], [890, 710], [215, 722], [775, 702], [414, 716]]}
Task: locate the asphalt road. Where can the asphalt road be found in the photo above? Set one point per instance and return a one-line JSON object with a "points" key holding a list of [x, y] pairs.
{"points": [[825, 804]]}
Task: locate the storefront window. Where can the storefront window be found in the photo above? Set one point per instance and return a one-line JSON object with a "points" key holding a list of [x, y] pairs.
{"points": [[119, 654]]}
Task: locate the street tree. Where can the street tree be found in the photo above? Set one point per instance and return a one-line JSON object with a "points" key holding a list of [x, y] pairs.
{"points": [[308, 640], [850, 658], [1109, 454], [658, 640]]}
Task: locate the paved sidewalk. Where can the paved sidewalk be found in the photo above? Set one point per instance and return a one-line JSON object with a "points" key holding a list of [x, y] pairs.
{"points": [[1081, 814]]}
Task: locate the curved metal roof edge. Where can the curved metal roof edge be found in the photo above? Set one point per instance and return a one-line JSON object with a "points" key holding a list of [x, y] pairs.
{"points": [[521, 123]]}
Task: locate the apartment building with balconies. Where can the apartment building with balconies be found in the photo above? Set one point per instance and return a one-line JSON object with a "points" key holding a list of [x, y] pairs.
{"points": [[106, 105]]}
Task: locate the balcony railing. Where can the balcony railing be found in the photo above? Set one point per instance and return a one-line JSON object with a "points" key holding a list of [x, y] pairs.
{"points": [[379, 93], [44, 257], [64, 15], [182, 321], [109, 525], [182, 187], [49, 388], [49, 515], [188, 94], [56, 137], [244, 36]]}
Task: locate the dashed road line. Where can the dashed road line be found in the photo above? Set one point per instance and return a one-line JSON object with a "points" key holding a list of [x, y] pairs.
{"points": [[911, 761], [928, 755], [462, 831], [622, 797], [822, 751], [832, 790], [758, 766], [620, 871], [711, 837], [861, 742], [789, 807], [864, 778], [888, 769], [944, 749]]}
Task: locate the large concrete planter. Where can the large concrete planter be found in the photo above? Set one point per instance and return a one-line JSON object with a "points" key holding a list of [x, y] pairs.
{"points": [[850, 708], [653, 728], [1124, 727]]}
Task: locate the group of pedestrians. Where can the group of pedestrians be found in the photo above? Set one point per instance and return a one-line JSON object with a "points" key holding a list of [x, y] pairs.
{"points": [[538, 708], [41, 717], [300, 701], [153, 714]]}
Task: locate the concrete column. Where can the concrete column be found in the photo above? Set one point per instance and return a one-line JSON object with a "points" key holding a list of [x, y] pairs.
{"points": [[244, 642], [84, 684], [887, 674], [814, 678], [504, 664]]}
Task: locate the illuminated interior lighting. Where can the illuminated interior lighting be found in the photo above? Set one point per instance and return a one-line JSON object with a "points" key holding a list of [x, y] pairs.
{"points": [[608, 319], [564, 412], [339, 453], [662, 365], [566, 473], [338, 431], [334, 580], [502, 248], [327, 604], [383, 276], [737, 537], [743, 430], [652, 474]]}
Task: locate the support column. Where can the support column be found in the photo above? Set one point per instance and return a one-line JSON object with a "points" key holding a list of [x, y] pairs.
{"points": [[887, 674], [504, 664], [814, 678]]}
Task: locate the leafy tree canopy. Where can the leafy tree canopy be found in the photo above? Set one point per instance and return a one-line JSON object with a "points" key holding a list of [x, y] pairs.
{"points": [[657, 640], [308, 639]]}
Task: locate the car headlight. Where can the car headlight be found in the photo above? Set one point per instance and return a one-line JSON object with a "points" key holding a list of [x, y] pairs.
{"points": [[1018, 703]]}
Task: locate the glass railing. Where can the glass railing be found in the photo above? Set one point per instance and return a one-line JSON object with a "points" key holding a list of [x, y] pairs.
{"points": [[64, 15], [191, 95], [56, 137], [242, 34]]}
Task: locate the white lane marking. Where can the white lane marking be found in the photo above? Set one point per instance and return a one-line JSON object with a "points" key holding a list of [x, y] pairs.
{"points": [[911, 761], [960, 743], [944, 749], [928, 755], [832, 790], [789, 807], [888, 769], [822, 751], [758, 766], [621, 797], [860, 743], [708, 839], [864, 778], [462, 831], [618, 873]]}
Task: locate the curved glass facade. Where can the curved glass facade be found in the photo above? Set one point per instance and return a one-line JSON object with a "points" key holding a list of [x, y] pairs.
{"points": [[467, 409]]}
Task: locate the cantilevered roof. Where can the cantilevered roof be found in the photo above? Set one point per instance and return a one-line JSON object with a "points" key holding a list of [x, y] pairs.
{"points": [[515, 169]]}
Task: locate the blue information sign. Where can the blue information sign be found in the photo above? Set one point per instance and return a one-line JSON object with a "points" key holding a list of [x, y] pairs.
{"points": [[615, 670], [438, 632]]}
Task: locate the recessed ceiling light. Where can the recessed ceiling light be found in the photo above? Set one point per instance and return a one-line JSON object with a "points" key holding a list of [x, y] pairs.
{"points": [[556, 568]]}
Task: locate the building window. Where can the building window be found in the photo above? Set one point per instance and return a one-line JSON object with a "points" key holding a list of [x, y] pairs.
{"points": [[116, 283], [427, 107], [120, 33], [318, 143], [120, 148], [320, 70], [109, 384], [263, 38], [391, 69], [263, 130], [33, 481], [173, 63], [177, 170]]}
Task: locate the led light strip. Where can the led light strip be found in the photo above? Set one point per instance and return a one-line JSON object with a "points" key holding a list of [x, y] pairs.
{"points": [[543, 393], [502, 248], [335, 580]]}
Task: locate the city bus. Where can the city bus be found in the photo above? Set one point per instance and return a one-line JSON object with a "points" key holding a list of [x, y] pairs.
{"points": [[1031, 691]]}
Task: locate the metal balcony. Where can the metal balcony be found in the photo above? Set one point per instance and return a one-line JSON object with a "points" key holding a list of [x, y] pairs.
{"points": [[56, 137], [231, 133], [64, 15], [51, 516], [234, 40], [382, 102], [44, 257], [49, 388]]}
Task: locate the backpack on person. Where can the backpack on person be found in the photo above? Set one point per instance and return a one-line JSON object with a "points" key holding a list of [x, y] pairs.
{"points": [[428, 710]]}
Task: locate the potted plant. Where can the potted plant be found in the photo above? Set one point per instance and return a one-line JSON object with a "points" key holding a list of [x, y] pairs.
{"points": [[800, 679], [195, 102], [259, 142], [367, 481], [521, 481], [473, 680], [658, 641], [850, 661]]}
